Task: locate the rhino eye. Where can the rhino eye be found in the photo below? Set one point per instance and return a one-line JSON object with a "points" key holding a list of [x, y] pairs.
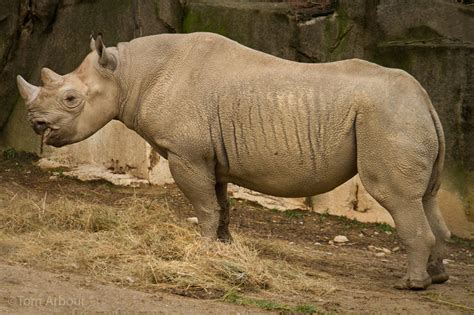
{"points": [[71, 99]]}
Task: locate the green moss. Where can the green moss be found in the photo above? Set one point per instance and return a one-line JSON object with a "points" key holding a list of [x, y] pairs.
{"points": [[336, 30], [394, 57], [191, 20], [422, 32], [197, 21], [458, 178]]}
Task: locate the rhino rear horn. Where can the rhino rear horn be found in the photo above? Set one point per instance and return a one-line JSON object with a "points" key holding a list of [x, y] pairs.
{"points": [[106, 59], [49, 77], [27, 91]]}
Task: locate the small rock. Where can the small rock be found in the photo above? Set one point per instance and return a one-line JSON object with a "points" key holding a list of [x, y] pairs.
{"points": [[301, 222], [291, 243], [376, 233], [341, 239], [317, 243], [372, 248], [331, 243], [54, 177], [75, 266], [361, 234], [380, 254], [395, 249], [130, 279], [386, 251], [192, 220], [447, 261], [388, 232]]}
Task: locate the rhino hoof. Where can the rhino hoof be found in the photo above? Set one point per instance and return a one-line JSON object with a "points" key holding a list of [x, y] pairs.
{"points": [[225, 238], [440, 278], [412, 284], [437, 272]]}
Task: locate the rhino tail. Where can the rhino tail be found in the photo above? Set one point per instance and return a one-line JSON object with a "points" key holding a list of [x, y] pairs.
{"points": [[435, 180]]}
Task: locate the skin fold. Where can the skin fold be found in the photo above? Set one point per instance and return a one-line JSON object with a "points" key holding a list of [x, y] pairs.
{"points": [[223, 113]]}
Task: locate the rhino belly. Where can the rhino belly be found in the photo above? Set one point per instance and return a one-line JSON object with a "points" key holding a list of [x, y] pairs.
{"points": [[296, 174]]}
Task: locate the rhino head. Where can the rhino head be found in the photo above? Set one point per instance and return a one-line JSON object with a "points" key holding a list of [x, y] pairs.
{"points": [[69, 108]]}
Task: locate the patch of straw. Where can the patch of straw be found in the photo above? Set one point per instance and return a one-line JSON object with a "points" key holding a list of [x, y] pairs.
{"points": [[141, 244]]}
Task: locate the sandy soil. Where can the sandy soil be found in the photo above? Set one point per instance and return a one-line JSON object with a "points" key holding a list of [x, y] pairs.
{"points": [[25, 290], [361, 279]]}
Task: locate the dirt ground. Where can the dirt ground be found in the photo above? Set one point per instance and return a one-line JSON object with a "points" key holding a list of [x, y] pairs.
{"points": [[361, 275]]}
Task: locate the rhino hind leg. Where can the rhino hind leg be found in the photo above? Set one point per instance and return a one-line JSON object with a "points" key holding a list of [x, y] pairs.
{"points": [[442, 234], [197, 184], [414, 230], [389, 178], [223, 233]]}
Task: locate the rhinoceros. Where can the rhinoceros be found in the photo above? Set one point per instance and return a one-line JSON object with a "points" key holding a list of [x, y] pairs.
{"points": [[224, 113]]}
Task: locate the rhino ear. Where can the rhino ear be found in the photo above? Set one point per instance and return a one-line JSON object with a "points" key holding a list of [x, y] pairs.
{"points": [[106, 59]]}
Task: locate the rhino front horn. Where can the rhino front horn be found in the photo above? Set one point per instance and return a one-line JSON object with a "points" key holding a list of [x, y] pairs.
{"points": [[27, 91], [49, 77]]}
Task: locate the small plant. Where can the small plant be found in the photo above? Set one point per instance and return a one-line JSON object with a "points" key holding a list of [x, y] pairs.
{"points": [[58, 172], [306, 309], [293, 214], [385, 227], [10, 153], [235, 298], [232, 202], [463, 242], [323, 216]]}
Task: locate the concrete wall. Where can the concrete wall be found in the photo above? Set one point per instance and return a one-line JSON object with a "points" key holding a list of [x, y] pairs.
{"points": [[431, 39]]}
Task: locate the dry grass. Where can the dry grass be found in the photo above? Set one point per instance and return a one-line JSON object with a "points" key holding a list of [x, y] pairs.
{"points": [[139, 243]]}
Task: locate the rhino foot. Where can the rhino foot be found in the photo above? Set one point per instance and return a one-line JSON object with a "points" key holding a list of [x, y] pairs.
{"points": [[224, 236], [437, 272], [412, 284]]}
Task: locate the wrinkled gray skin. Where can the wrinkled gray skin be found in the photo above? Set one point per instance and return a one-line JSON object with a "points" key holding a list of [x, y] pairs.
{"points": [[221, 112]]}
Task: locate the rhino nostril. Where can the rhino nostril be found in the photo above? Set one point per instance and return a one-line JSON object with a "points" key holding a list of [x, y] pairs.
{"points": [[40, 125]]}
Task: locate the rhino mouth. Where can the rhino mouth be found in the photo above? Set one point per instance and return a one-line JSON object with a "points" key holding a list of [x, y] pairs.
{"points": [[47, 133], [50, 135], [44, 129]]}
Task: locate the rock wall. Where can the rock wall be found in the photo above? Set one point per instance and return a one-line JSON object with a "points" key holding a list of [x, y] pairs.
{"points": [[431, 39], [419, 36]]}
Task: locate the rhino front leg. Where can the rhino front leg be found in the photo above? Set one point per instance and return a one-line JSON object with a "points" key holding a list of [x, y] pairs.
{"points": [[223, 233], [197, 181]]}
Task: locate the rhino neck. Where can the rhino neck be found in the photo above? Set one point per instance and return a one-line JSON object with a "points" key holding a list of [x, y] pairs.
{"points": [[127, 105], [148, 66]]}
